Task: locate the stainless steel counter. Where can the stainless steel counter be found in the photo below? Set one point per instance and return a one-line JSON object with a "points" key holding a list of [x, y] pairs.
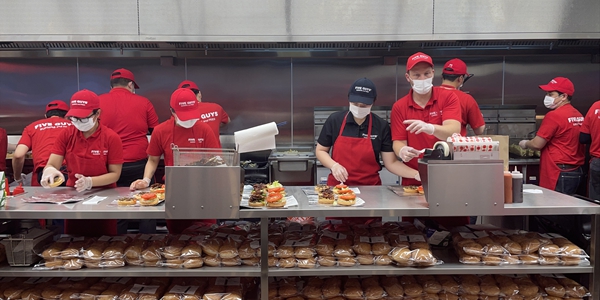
{"points": [[17, 209], [379, 201]]}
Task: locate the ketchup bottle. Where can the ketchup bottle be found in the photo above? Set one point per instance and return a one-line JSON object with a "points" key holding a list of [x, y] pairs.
{"points": [[508, 193]]}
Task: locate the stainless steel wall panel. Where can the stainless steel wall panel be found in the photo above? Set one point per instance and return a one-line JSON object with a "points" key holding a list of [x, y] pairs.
{"points": [[524, 74], [27, 85], [252, 91], [326, 83], [66, 20], [283, 21], [156, 83], [538, 19]]}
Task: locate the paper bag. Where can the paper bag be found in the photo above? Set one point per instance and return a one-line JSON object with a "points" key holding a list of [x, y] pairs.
{"points": [[503, 140]]}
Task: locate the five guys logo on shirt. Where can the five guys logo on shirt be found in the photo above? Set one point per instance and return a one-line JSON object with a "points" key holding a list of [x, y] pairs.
{"points": [[577, 121], [49, 125], [597, 111], [209, 116], [95, 152]]}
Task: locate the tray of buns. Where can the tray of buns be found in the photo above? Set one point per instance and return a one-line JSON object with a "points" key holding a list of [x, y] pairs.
{"points": [[272, 195], [338, 196], [409, 190], [152, 196]]}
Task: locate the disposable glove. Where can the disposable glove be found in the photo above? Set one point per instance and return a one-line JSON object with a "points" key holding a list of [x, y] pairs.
{"points": [[339, 172], [523, 144], [83, 183], [407, 153], [49, 176], [140, 184], [418, 126], [418, 177]]}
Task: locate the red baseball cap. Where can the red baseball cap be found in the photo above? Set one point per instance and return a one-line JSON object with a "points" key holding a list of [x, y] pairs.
{"points": [[83, 103], [417, 58], [124, 73], [455, 66], [560, 84], [57, 104], [188, 84], [185, 104]]}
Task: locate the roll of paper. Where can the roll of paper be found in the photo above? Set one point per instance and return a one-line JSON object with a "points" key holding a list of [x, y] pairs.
{"points": [[261, 137]]}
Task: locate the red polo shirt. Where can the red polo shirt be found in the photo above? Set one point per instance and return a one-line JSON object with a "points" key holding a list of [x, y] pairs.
{"points": [[167, 134], [470, 113], [39, 137], [213, 115], [560, 128], [591, 124], [91, 156], [130, 116], [443, 105]]}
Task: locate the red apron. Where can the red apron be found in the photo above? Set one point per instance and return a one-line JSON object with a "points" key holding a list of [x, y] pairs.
{"points": [[357, 156], [549, 171], [88, 167], [181, 141]]}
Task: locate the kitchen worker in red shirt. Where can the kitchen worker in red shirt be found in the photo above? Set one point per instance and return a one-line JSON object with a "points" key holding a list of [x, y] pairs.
{"points": [[360, 139], [558, 139], [210, 113], [3, 149], [39, 137], [426, 115], [182, 130], [590, 134], [93, 154], [454, 75], [132, 117]]}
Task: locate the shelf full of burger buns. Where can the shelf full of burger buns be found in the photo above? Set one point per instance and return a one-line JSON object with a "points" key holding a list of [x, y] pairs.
{"points": [[405, 287], [330, 247], [123, 288]]}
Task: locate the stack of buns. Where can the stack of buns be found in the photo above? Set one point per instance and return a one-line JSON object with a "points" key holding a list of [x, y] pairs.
{"points": [[106, 252], [409, 287], [500, 247], [64, 254]]}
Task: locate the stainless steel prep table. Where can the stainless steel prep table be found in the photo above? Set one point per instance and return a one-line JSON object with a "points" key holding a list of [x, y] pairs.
{"points": [[17, 209]]}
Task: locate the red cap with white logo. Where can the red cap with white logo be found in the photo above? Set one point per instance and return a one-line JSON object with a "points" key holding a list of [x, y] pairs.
{"points": [[559, 84], [185, 104], [124, 73], [188, 84], [83, 104], [417, 58]]}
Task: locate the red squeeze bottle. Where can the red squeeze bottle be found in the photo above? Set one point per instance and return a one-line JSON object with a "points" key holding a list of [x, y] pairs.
{"points": [[18, 190], [508, 195]]}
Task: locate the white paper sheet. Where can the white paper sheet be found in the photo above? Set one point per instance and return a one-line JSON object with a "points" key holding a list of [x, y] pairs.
{"points": [[256, 138]]}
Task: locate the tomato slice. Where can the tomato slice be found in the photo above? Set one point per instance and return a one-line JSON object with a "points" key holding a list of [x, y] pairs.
{"points": [[161, 190], [348, 197], [345, 191], [341, 186], [276, 189], [274, 197], [148, 196]]}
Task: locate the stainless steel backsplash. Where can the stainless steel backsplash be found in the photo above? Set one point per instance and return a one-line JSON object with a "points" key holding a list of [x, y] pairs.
{"points": [[254, 91]]}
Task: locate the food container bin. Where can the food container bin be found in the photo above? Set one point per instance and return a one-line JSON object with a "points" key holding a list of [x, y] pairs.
{"points": [[22, 248]]}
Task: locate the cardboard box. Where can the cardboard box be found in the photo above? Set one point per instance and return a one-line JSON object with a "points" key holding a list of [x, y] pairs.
{"points": [[503, 140]]}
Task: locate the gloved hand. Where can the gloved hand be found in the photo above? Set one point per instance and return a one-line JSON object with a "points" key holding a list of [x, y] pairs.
{"points": [[339, 172], [407, 153], [418, 126], [49, 175], [83, 183], [523, 144], [140, 184], [418, 177]]}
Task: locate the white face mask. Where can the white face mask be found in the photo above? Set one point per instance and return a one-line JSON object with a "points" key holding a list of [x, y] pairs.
{"points": [[549, 102], [84, 127], [422, 86], [186, 124], [359, 112]]}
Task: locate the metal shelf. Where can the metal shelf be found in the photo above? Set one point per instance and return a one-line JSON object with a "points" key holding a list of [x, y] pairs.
{"points": [[132, 271], [450, 266]]}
